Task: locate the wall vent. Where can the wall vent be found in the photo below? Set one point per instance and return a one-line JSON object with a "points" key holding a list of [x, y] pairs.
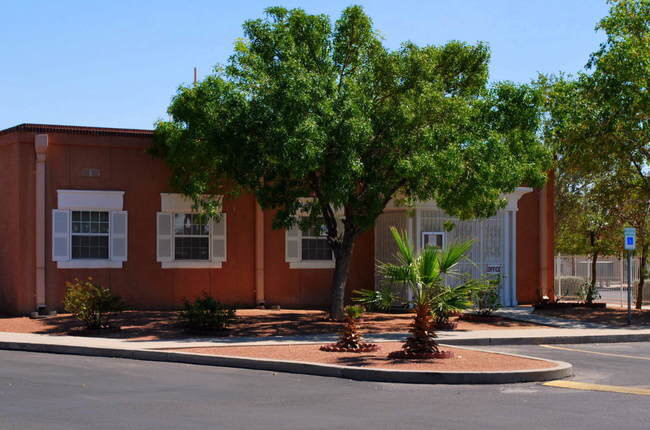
{"points": [[91, 172]]}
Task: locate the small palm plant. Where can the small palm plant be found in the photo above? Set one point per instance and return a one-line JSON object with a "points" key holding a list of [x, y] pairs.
{"points": [[350, 339], [425, 275]]}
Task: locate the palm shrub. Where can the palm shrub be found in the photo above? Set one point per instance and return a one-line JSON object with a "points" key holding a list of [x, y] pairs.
{"points": [[91, 304], [350, 339], [425, 275], [381, 299]]}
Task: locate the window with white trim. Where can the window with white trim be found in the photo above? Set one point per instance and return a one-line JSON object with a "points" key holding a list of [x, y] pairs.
{"points": [[191, 237], [90, 234], [435, 239], [89, 230], [314, 244], [308, 248], [187, 239]]}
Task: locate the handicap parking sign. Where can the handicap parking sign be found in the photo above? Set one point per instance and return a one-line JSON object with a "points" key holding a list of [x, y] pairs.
{"points": [[630, 238]]}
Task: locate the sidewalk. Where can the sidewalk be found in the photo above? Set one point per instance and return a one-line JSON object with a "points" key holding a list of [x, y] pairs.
{"points": [[558, 330], [525, 313], [479, 337]]}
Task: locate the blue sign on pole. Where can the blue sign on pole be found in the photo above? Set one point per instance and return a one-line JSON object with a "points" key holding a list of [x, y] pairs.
{"points": [[630, 238]]}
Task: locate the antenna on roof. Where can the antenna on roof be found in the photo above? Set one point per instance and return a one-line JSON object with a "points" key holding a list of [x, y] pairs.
{"points": [[195, 81]]}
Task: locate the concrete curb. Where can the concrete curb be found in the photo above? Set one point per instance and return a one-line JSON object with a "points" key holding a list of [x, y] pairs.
{"points": [[561, 370], [550, 340]]}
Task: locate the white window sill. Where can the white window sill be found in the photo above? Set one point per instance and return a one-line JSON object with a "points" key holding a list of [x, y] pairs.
{"points": [[89, 264], [312, 264], [191, 264]]}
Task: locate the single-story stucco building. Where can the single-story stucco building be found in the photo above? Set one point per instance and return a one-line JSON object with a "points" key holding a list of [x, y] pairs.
{"points": [[87, 201]]}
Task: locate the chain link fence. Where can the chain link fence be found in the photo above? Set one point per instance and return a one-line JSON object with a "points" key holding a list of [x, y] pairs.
{"points": [[571, 271]]}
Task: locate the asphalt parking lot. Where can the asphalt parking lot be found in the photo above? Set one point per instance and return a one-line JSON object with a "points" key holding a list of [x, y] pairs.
{"points": [[618, 364], [47, 391]]}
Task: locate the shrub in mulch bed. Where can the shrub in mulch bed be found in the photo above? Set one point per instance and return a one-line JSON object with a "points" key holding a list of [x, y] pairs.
{"points": [[566, 305], [421, 344], [479, 318], [396, 355], [350, 339], [446, 325]]}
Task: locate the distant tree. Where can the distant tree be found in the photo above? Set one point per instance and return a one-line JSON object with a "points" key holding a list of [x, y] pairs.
{"points": [[307, 110], [600, 125], [585, 226]]}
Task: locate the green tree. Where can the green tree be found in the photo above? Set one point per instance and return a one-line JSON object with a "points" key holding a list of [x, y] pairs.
{"points": [[601, 126], [304, 109]]}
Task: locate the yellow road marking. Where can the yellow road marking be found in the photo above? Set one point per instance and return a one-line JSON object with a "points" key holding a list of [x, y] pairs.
{"points": [[596, 387], [608, 354]]}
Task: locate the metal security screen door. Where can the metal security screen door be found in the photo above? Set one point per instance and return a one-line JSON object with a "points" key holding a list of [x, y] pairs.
{"points": [[492, 252]]}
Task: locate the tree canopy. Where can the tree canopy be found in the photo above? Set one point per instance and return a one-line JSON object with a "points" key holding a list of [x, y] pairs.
{"points": [[598, 126], [307, 109]]}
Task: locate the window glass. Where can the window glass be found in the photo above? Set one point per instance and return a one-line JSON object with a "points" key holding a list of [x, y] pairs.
{"points": [[314, 244], [90, 231], [191, 237], [435, 240]]}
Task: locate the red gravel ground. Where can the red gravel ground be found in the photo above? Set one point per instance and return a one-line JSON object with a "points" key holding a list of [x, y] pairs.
{"points": [[611, 316], [151, 325], [463, 359]]}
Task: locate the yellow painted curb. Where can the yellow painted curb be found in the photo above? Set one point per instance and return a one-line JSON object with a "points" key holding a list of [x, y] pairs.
{"points": [[597, 387]]}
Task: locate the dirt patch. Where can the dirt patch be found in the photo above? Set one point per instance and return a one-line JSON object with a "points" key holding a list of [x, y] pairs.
{"points": [[152, 325], [462, 360], [609, 316]]}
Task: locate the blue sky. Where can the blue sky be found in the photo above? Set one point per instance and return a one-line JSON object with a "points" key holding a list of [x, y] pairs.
{"points": [[118, 63]]}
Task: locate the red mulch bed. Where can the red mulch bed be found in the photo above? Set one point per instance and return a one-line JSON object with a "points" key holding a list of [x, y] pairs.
{"points": [[611, 316], [462, 360], [151, 325]]}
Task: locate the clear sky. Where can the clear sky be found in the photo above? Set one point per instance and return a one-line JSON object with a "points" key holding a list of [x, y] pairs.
{"points": [[118, 63]]}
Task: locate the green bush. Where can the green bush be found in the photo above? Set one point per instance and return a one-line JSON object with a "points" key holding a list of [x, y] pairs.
{"points": [[486, 300], [91, 304], [587, 294], [206, 314], [570, 285]]}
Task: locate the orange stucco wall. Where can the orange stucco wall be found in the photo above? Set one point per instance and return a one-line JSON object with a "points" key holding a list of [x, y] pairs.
{"points": [[125, 166], [529, 237], [17, 254], [310, 287], [142, 283]]}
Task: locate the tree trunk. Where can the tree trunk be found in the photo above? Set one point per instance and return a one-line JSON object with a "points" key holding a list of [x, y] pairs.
{"points": [[594, 274], [343, 254], [639, 288]]}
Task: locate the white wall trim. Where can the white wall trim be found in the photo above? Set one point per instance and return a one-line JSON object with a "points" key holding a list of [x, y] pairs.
{"points": [[90, 199], [313, 264], [89, 264], [511, 205], [514, 197], [186, 264]]}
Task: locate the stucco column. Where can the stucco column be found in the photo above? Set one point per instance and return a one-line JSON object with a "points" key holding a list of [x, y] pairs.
{"points": [[40, 148], [259, 255]]}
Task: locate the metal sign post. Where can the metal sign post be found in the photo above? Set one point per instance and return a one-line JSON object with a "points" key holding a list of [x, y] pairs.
{"points": [[630, 244]]}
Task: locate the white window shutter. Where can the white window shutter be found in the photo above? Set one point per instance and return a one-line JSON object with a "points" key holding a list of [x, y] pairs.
{"points": [[293, 244], [60, 235], [219, 246], [119, 234], [164, 239]]}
